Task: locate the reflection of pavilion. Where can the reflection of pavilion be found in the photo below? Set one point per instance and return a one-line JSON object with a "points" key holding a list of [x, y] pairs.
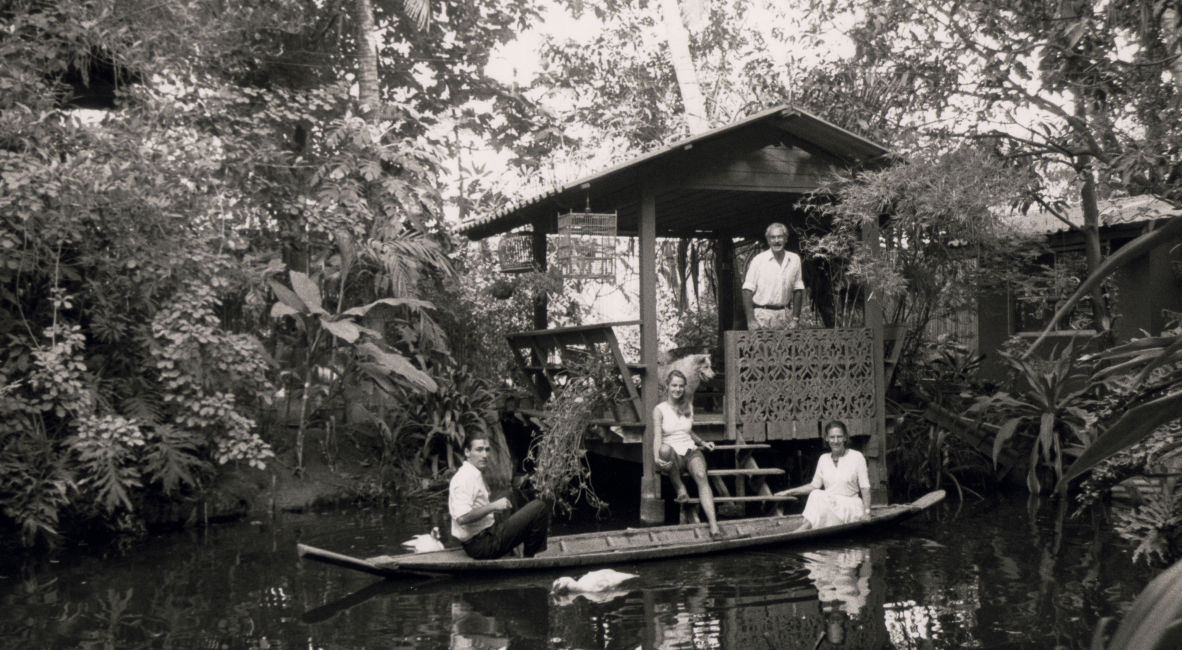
{"points": [[914, 625], [684, 626], [473, 630], [846, 590], [495, 619]]}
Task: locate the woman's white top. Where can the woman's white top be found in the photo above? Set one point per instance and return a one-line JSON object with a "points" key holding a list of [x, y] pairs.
{"points": [[844, 477], [840, 501], [675, 429]]}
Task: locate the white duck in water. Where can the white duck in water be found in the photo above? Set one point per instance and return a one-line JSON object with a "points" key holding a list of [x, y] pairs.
{"points": [[597, 586], [593, 582], [425, 542]]}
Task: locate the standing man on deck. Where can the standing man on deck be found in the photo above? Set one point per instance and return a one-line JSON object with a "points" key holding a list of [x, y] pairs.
{"points": [[472, 520], [773, 284]]}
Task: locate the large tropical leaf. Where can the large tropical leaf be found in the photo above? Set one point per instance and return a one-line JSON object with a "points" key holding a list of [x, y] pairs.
{"points": [[287, 297], [1004, 433], [1131, 251], [308, 292], [1154, 622], [281, 309], [413, 303], [397, 364], [1166, 356], [345, 330], [1132, 347], [1132, 427]]}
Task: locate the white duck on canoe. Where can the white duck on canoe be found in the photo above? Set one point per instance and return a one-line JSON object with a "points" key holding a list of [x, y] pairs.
{"points": [[425, 542]]}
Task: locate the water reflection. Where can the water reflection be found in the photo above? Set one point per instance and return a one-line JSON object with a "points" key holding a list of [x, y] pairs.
{"points": [[842, 579], [487, 620], [973, 580]]}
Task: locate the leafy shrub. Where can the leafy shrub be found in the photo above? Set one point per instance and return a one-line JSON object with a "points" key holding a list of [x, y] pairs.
{"points": [[561, 473], [441, 421], [923, 455], [1046, 410]]}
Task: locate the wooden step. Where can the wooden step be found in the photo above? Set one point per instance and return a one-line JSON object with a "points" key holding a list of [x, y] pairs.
{"points": [[761, 471], [758, 445], [747, 499], [701, 421]]}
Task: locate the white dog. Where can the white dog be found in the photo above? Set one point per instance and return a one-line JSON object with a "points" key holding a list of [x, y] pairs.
{"points": [[696, 368]]}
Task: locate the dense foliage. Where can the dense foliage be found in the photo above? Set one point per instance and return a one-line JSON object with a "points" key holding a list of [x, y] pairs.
{"points": [[228, 231]]}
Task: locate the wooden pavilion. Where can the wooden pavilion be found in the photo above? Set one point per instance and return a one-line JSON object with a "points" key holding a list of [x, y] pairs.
{"points": [[725, 184]]}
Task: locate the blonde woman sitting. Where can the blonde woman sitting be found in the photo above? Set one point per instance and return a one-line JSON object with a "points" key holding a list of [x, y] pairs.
{"points": [[840, 490], [678, 448]]}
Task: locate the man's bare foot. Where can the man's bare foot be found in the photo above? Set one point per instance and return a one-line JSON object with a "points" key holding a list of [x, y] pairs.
{"points": [[716, 533], [682, 497]]}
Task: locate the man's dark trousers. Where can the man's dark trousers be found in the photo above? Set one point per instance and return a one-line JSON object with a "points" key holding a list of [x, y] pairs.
{"points": [[530, 525]]}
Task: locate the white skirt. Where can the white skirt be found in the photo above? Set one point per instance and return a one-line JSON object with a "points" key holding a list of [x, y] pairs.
{"points": [[825, 508]]}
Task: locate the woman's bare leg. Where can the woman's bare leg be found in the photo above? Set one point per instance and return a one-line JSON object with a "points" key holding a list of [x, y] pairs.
{"points": [[697, 468], [668, 455]]}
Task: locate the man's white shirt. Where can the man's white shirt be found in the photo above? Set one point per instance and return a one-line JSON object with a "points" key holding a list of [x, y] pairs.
{"points": [[467, 492], [771, 282]]}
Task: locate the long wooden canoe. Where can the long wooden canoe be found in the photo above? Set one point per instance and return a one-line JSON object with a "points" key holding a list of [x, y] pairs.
{"points": [[618, 546]]}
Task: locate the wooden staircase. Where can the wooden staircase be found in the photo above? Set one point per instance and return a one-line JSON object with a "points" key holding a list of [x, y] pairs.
{"points": [[750, 483]]}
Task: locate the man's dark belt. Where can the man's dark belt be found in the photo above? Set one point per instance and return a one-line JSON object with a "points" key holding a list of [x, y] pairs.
{"points": [[772, 307]]}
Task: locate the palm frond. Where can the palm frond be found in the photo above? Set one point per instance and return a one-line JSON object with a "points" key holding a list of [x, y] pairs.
{"points": [[419, 11]]}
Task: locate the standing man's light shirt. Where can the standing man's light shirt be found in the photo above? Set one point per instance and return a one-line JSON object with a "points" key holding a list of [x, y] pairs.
{"points": [[771, 282], [773, 287]]}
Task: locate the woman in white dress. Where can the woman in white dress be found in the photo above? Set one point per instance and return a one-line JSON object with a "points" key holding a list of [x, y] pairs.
{"points": [[678, 448], [840, 490]]}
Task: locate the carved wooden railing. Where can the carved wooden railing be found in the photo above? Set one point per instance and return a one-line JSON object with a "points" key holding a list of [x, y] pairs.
{"points": [[783, 384]]}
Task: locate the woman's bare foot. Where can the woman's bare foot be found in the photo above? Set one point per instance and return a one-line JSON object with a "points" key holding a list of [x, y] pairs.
{"points": [[682, 497], [716, 533]]}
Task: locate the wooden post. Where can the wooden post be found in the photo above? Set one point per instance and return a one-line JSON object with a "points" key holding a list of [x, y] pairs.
{"points": [[724, 269], [541, 318], [876, 456], [652, 509]]}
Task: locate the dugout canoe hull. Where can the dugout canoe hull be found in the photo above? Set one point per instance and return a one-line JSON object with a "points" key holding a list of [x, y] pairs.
{"points": [[621, 546]]}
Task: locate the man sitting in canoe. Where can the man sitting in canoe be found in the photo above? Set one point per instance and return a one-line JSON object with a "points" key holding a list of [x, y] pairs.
{"points": [[840, 490], [472, 520]]}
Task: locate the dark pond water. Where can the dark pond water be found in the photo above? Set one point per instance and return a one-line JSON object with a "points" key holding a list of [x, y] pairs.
{"points": [[981, 575]]}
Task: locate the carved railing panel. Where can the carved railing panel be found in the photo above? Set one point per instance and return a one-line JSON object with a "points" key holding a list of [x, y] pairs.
{"points": [[784, 383]]}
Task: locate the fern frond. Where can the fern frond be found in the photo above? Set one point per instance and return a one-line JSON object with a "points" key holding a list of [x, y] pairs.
{"points": [[143, 408], [108, 470], [172, 458]]}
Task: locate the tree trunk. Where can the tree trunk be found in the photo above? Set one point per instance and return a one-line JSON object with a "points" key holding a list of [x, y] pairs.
{"points": [[1091, 234], [683, 67], [1171, 35], [367, 58]]}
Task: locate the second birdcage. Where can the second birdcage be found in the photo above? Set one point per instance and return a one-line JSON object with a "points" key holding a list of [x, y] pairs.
{"points": [[515, 252], [585, 245]]}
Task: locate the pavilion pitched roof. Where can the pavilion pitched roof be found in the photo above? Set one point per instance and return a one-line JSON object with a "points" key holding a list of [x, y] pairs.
{"points": [[731, 180]]}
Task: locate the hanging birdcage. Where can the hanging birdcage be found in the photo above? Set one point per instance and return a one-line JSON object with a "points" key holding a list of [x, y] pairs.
{"points": [[585, 246], [515, 252]]}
